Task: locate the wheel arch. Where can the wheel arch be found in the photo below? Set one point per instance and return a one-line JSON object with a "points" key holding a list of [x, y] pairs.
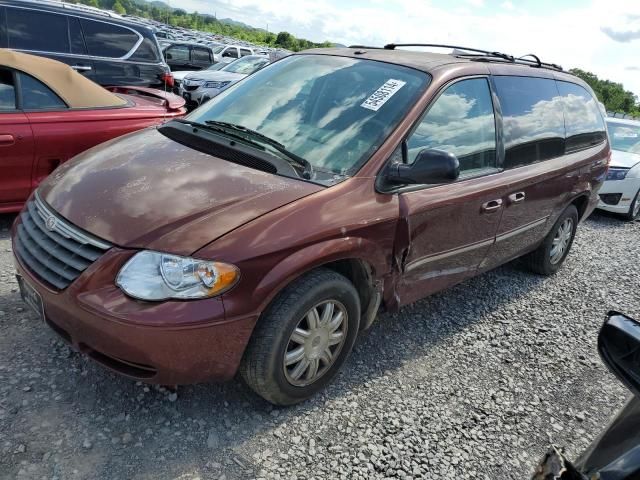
{"points": [[361, 261]]}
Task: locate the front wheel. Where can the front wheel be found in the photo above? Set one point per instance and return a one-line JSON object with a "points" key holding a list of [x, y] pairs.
{"points": [[303, 338], [550, 255], [634, 210]]}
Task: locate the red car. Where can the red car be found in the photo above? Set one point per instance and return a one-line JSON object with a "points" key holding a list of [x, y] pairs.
{"points": [[49, 113]]}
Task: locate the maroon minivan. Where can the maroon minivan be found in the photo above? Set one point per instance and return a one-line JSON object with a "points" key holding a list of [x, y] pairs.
{"points": [[262, 232]]}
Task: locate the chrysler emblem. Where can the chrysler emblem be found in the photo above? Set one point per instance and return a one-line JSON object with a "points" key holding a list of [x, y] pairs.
{"points": [[50, 222]]}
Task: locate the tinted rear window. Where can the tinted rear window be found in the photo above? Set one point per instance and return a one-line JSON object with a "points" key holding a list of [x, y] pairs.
{"points": [[107, 40], [40, 31], [533, 119], [147, 51], [200, 55], [583, 119]]}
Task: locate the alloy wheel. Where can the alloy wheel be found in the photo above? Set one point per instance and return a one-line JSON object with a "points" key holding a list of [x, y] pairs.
{"points": [[315, 343], [561, 241]]}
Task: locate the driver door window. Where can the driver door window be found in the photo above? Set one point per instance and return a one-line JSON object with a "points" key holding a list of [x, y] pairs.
{"points": [[461, 121]]}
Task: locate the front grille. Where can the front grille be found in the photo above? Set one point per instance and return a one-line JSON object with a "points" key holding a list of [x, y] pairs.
{"points": [[51, 248], [190, 88]]}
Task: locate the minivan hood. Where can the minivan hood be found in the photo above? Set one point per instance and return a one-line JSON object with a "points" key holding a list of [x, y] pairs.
{"points": [[623, 159], [144, 190]]}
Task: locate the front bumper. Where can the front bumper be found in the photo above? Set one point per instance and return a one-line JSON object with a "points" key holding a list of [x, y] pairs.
{"points": [[169, 343], [627, 189]]}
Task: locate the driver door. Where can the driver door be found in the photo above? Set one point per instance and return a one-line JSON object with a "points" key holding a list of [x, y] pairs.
{"points": [[450, 228]]}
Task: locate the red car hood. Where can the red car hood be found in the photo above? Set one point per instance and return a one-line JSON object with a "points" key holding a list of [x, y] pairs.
{"points": [[145, 190]]}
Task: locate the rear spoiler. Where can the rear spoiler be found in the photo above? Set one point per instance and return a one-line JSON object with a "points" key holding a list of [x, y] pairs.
{"points": [[172, 101]]}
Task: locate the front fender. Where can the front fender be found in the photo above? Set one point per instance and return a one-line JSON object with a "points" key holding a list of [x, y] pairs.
{"points": [[285, 271]]}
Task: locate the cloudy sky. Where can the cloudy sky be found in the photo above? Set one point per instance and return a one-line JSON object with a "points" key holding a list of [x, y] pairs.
{"points": [[602, 36]]}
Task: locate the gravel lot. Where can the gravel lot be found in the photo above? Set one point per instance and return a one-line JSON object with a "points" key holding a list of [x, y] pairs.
{"points": [[470, 383]]}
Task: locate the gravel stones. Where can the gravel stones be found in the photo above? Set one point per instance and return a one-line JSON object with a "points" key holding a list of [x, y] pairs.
{"points": [[471, 383]]}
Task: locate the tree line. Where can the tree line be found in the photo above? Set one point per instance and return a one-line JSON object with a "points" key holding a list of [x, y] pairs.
{"points": [[178, 17], [613, 95]]}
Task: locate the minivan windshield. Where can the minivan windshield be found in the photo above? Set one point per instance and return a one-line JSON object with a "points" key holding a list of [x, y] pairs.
{"points": [[331, 111], [624, 136]]}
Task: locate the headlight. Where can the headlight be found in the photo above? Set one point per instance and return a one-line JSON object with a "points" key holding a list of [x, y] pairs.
{"points": [[216, 85], [617, 173], [159, 276]]}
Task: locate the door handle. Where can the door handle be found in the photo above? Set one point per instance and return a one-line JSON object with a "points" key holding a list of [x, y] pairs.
{"points": [[81, 68], [517, 197], [7, 140], [492, 206]]}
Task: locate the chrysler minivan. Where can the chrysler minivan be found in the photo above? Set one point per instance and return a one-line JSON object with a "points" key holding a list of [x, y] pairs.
{"points": [[261, 233]]}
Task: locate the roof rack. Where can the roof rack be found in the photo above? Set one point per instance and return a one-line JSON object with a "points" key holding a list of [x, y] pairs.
{"points": [[483, 55], [74, 6]]}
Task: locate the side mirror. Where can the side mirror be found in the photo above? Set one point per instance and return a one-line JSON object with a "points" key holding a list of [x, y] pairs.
{"points": [[430, 166], [619, 347]]}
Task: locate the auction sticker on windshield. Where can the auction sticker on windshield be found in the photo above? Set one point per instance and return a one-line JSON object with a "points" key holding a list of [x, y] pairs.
{"points": [[384, 93]]}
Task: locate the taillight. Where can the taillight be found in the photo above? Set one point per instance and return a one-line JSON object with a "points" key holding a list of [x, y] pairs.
{"points": [[167, 78]]}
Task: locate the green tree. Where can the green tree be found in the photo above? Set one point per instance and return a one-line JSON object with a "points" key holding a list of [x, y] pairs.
{"points": [[613, 95], [118, 8]]}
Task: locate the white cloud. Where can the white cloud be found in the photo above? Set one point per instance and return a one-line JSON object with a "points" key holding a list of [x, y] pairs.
{"points": [[508, 5]]}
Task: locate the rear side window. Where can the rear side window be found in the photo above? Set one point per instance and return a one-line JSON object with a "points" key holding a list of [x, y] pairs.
{"points": [[533, 119], [201, 55], [36, 95], [7, 90], [39, 31], [146, 52], [107, 40], [75, 36], [177, 52], [583, 119], [244, 52], [461, 121]]}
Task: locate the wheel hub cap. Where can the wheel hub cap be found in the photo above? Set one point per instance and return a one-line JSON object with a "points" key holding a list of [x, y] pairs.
{"points": [[315, 343], [561, 241]]}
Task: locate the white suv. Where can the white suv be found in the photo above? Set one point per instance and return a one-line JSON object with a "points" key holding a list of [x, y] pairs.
{"points": [[229, 53]]}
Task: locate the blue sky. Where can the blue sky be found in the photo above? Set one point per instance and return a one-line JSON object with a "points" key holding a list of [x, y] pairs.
{"points": [[602, 36]]}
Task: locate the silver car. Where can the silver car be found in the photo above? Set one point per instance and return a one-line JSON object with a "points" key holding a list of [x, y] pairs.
{"points": [[203, 85]]}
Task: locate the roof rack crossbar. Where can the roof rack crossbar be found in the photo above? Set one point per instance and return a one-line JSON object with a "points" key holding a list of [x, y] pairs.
{"points": [[482, 55]]}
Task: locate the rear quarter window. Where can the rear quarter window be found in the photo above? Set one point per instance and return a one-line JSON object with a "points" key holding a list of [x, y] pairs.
{"points": [[107, 40], [533, 118], [583, 120], [37, 31], [147, 51]]}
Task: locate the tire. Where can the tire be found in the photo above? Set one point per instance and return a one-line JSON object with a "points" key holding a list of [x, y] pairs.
{"points": [[263, 365], [634, 210], [542, 260]]}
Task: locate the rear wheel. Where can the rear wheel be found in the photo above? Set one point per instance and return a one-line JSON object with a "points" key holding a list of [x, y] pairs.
{"points": [[550, 255], [303, 338], [634, 210]]}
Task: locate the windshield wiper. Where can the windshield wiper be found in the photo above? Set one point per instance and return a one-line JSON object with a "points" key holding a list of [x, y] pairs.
{"points": [[254, 134]]}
